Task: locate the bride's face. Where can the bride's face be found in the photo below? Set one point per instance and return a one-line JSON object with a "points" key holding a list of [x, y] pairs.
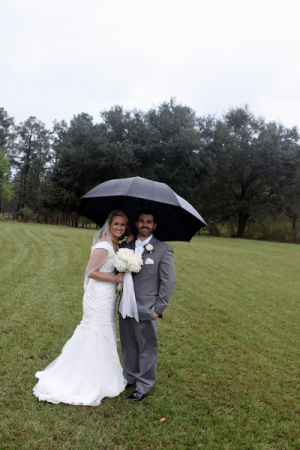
{"points": [[117, 227]]}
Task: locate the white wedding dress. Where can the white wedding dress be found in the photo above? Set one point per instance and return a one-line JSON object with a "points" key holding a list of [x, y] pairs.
{"points": [[88, 369]]}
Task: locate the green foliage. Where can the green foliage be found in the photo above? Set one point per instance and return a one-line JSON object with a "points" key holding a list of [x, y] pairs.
{"points": [[86, 155], [229, 358], [172, 150], [6, 190], [161, 144], [31, 153], [26, 214], [283, 229], [253, 167], [6, 187], [6, 129], [237, 169]]}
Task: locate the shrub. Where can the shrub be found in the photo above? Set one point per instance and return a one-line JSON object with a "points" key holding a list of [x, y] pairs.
{"points": [[26, 214]]}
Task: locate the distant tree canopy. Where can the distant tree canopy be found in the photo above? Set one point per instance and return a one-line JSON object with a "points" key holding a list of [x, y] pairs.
{"points": [[253, 167], [238, 167]]}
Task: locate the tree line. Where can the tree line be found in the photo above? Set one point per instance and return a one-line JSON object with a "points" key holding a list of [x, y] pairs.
{"points": [[237, 168]]}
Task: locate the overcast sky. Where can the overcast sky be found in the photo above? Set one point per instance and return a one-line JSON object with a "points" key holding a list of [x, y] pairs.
{"points": [[63, 57]]}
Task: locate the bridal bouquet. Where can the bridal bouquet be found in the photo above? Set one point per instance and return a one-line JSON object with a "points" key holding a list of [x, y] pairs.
{"points": [[127, 261]]}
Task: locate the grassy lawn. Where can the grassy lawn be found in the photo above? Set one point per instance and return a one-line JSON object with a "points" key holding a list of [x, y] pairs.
{"points": [[229, 357]]}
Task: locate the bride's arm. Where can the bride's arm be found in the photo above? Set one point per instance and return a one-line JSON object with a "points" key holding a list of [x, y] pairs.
{"points": [[97, 258], [99, 276]]}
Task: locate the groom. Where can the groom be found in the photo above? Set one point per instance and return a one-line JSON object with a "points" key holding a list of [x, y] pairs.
{"points": [[153, 287]]}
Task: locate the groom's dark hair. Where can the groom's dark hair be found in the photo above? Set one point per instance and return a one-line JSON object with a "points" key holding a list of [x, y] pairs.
{"points": [[147, 211]]}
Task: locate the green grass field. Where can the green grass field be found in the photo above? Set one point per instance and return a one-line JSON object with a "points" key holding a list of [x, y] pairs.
{"points": [[229, 356]]}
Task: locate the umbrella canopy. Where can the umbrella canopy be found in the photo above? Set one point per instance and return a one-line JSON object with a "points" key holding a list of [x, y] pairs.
{"points": [[177, 220]]}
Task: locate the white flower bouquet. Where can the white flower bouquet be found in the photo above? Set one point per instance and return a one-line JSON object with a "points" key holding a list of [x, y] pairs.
{"points": [[127, 261]]}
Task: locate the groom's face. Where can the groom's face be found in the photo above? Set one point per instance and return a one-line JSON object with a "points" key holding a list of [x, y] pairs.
{"points": [[145, 225]]}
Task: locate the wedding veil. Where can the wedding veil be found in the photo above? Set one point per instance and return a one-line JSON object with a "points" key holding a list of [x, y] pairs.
{"points": [[97, 257]]}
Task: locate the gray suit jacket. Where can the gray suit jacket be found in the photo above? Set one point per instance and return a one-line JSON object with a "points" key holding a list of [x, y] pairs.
{"points": [[154, 284]]}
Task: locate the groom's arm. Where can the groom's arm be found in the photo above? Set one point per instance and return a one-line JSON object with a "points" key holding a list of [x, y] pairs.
{"points": [[166, 273], [130, 245]]}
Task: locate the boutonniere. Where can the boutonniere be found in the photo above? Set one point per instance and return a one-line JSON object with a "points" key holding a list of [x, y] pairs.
{"points": [[148, 248]]}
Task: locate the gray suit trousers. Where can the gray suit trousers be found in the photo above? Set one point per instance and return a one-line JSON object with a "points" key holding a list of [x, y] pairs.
{"points": [[139, 352]]}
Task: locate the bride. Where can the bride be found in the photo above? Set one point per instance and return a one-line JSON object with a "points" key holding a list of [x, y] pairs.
{"points": [[89, 369]]}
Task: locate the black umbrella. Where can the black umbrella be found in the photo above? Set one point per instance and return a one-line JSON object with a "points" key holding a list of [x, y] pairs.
{"points": [[177, 220]]}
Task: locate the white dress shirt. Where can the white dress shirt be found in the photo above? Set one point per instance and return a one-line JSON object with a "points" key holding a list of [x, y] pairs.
{"points": [[139, 245]]}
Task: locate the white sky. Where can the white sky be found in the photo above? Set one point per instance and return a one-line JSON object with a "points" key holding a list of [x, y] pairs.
{"points": [[59, 58]]}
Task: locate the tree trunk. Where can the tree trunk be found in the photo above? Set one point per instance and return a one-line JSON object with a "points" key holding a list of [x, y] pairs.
{"points": [[20, 192], [243, 217], [294, 229]]}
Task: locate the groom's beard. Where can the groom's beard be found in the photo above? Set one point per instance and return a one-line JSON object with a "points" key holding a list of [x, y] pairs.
{"points": [[144, 232]]}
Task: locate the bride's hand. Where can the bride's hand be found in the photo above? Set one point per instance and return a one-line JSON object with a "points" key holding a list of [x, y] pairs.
{"points": [[129, 239], [119, 277]]}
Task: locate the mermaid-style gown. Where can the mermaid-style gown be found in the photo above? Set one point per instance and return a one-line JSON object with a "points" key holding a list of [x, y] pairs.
{"points": [[88, 369]]}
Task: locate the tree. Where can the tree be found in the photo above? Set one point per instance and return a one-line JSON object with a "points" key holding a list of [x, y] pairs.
{"points": [[162, 144], [6, 139], [6, 188], [288, 192], [58, 137], [171, 153], [6, 129], [88, 154], [31, 155], [251, 162]]}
